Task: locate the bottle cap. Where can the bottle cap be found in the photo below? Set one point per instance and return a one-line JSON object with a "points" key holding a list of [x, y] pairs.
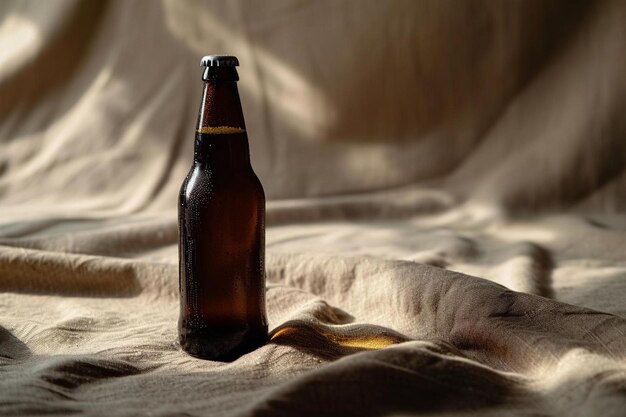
{"points": [[219, 61]]}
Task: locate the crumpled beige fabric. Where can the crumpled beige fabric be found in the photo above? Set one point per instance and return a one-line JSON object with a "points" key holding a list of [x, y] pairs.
{"points": [[445, 188]]}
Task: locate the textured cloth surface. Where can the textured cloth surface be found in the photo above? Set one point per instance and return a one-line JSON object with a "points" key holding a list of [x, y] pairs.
{"points": [[445, 187]]}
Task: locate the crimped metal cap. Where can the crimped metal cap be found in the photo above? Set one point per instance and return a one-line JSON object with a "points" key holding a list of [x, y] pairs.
{"points": [[219, 61]]}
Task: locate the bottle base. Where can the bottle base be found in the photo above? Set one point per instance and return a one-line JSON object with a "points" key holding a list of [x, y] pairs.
{"points": [[223, 343]]}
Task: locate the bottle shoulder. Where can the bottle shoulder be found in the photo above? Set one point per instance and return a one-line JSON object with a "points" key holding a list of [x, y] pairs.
{"points": [[203, 183], [258, 184], [195, 183]]}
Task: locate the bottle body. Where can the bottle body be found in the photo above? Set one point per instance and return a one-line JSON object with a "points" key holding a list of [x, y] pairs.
{"points": [[222, 247]]}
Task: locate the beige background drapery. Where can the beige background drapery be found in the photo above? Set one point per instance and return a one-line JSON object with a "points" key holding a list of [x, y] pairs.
{"points": [[445, 188]]}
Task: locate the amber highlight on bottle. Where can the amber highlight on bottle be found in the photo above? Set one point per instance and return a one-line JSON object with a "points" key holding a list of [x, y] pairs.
{"points": [[221, 228]]}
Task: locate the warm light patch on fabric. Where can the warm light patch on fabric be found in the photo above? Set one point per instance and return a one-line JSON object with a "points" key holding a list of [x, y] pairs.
{"points": [[363, 341], [221, 130], [370, 342]]}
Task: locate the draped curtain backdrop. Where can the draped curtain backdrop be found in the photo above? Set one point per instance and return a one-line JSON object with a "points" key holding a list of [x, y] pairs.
{"points": [[446, 185]]}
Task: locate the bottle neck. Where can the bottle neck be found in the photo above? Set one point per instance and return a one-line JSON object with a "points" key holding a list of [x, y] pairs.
{"points": [[220, 109], [221, 138]]}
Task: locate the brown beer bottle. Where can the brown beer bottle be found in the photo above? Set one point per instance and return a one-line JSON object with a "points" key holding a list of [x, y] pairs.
{"points": [[221, 228]]}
